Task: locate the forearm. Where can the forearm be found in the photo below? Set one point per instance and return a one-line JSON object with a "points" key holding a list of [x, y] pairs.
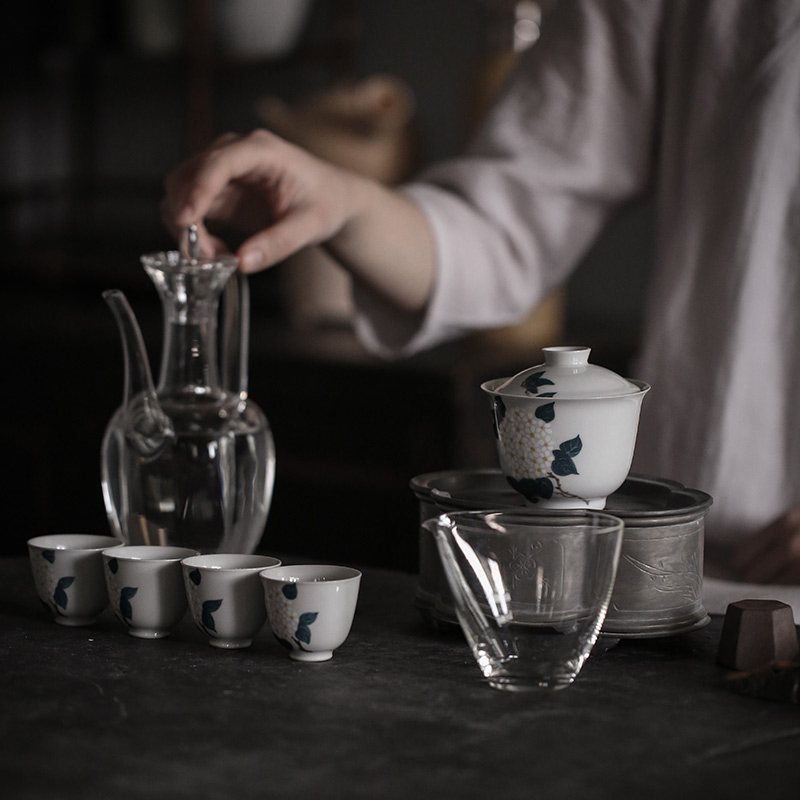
{"points": [[387, 243]]}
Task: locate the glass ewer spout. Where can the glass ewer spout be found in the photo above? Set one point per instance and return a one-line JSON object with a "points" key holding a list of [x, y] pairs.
{"points": [[190, 461]]}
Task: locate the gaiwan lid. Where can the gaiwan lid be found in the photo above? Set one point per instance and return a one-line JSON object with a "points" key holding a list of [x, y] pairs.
{"points": [[566, 374]]}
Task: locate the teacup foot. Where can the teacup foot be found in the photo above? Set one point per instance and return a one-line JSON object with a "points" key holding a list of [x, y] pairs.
{"points": [[311, 656], [230, 644], [148, 633], [75, 622]]}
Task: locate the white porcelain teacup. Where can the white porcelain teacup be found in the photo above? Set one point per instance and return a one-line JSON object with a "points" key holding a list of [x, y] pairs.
{"points": [[310, 607], [145, 586], [68, 574], [225, 596]]}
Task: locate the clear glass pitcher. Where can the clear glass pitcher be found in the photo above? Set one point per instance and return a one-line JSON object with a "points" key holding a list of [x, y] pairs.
{"points": [[190, 462]]}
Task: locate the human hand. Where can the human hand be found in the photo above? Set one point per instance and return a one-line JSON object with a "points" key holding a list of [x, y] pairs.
{"points": [[773, 554], [279, 195], [285, 199]]}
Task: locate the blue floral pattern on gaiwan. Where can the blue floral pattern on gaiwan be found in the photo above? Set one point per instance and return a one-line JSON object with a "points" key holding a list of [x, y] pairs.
{"points": [[529, 446], [292, 630]]}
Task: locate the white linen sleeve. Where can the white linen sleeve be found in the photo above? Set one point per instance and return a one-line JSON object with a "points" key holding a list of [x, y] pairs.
{"points": [[569, 141]]}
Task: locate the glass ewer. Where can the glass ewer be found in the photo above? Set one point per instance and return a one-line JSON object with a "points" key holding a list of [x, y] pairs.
{"points": [[191, 461]]}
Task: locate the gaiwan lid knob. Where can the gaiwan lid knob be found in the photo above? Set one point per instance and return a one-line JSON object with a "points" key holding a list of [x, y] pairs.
{"points": [[567, 374]]}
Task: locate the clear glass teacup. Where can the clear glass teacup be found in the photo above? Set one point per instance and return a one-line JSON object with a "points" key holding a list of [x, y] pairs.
{"points": [[530, 590]]}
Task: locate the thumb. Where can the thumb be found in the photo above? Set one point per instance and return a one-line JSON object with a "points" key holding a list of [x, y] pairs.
{"points": [[280, 240]]}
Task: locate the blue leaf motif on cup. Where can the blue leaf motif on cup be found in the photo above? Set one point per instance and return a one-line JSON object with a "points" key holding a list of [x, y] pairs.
{"points": [[195, 577], [125, 608], [60, 594], [292, 632], [113, 565], [303, 632], [209, 607], [289, 591], [49, 556]]}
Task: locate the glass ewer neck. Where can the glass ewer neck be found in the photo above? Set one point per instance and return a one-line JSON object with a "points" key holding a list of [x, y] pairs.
{"points": [[189, 292]]}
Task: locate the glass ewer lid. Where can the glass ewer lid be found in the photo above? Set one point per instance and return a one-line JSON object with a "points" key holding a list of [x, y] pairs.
{"points": [[567, 374]]}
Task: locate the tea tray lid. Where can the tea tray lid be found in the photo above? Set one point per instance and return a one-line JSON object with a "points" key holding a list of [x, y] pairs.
{"points": [[642, 499]]}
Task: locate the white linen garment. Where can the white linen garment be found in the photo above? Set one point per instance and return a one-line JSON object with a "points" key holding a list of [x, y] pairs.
{"points": [[698, 103]]}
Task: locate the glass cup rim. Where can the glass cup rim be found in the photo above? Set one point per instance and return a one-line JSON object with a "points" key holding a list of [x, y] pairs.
{"points": [[594, 521]]}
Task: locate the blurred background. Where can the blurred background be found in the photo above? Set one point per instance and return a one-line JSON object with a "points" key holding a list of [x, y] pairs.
{"points": [[101, 99]]}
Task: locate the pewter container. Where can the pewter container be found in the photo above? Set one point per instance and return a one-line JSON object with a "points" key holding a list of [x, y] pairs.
{"points": [[659, 585]]}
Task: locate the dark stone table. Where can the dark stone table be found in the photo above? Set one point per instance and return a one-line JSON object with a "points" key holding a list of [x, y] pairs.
{"points": [[400, 712]]}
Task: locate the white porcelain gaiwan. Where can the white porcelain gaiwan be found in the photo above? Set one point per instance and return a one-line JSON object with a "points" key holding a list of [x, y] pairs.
{"points": [[566, 429]]}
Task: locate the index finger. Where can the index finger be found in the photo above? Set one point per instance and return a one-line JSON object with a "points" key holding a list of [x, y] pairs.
{"points": [[217, 168]]}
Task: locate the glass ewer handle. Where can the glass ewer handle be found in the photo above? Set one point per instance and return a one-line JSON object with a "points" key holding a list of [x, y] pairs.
{"points": [[235, 335]]}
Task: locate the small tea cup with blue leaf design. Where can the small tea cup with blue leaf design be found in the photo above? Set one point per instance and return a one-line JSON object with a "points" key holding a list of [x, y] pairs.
{"points": [[566, 429], [68, 573], [225, 596], [310, 607], [145, 587]]}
